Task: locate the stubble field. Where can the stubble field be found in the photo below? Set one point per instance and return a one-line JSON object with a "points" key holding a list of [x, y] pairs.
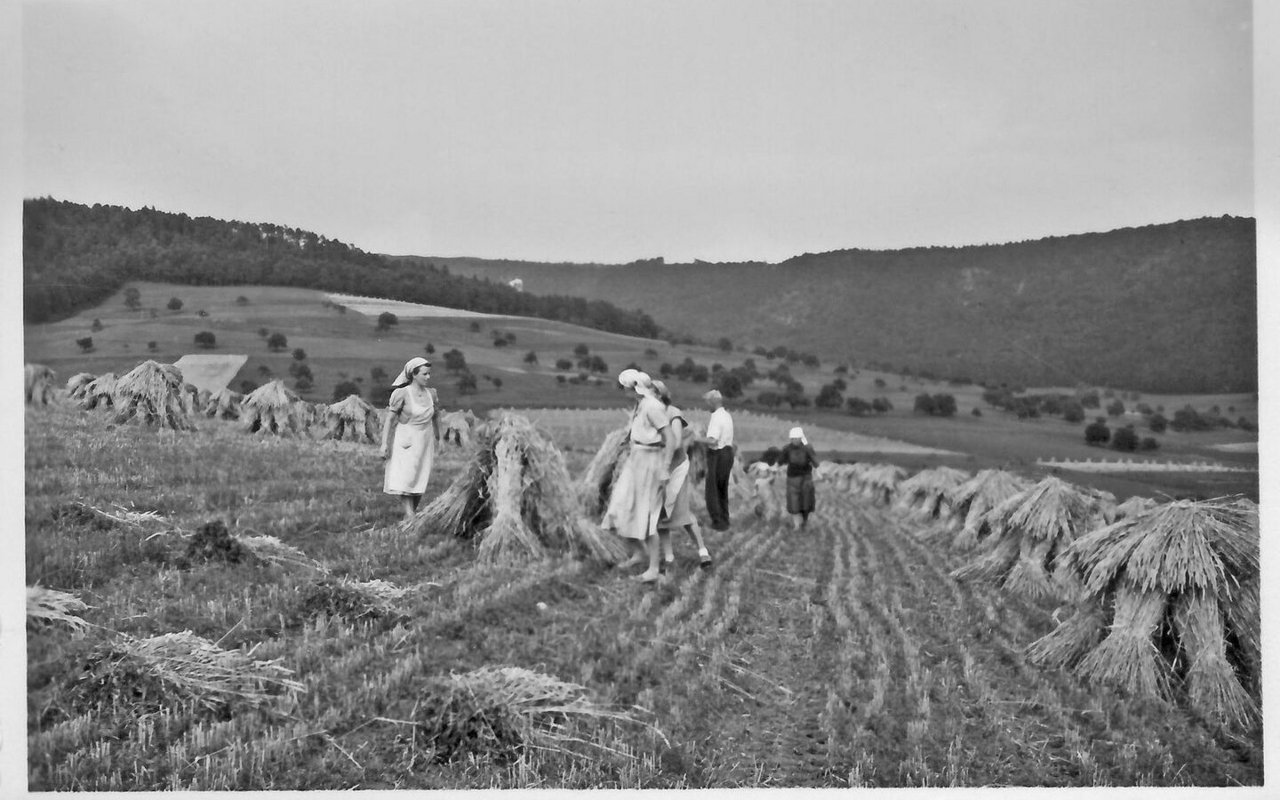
{"points": [[844, 655]]}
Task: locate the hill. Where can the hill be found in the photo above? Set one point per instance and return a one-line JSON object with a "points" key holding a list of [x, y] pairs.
{"points": [[1159, 308], [74, 256]]}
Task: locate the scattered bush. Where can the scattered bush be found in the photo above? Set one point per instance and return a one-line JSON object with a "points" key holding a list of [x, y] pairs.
{"points": [[174, 304], [277, 342], [206, 340], [1125, 439], [299, 354], [86, 343], [1097, 432], [96, 326]]}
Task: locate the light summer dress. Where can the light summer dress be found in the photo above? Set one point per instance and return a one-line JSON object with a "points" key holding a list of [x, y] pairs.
{"points": [[413, 442], [636, 499]]}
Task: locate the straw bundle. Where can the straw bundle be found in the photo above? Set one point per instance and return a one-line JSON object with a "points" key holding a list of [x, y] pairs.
{"points": [[971, 500], [515, 493], [223, 404], [100, 392], [273, 410], [1029, 532], [154, 395], [177, 670], [925, 493], [352, 600], [879, 481], [78, 384], [39, 384], [1133, 507], [597, 481], [499, 712], [456, 427], [1181, 584], [49, 607], [353, 419]]}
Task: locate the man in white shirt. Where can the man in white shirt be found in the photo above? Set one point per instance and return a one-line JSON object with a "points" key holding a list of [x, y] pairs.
{"points": [[719, 441]]}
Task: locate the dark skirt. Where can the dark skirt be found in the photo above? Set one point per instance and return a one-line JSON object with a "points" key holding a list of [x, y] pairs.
{"points": [[800, 494]]}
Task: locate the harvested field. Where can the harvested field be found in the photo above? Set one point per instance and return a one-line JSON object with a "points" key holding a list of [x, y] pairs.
{"points": [[752, 431], [373, 306], [841, 656], [209, 373]]}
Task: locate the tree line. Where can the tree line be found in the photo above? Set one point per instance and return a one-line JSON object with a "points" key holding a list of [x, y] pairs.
{"points": [[75, 256]]}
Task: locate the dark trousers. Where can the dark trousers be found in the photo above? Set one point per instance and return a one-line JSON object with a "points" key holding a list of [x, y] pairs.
{"points": [[719, 464]]}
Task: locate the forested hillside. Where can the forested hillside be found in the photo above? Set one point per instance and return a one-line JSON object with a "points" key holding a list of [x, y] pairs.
{"points": [[1161, 308], [75, 255]]}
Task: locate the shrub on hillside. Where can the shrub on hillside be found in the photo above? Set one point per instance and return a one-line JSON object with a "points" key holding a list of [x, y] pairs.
{"points": [[1157, 423], [277, 342], [1115, 408], [174, 304], [881, 405], [564, 364], [829, 397], [344, 390], [1125, 438], [85, 343], [1097, 432], [206, 340], [1072, 411], [857, 406]]}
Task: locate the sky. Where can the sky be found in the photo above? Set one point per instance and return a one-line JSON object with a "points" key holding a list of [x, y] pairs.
{"points": [[612, 131]]}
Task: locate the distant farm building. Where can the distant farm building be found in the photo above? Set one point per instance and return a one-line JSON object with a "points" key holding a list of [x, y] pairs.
{"points": [[517, 284]]}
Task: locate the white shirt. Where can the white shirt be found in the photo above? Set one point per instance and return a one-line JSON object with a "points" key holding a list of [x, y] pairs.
{"points": [[720, 428]]}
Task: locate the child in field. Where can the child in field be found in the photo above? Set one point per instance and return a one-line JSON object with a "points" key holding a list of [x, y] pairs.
{"points": [[676, 512]]}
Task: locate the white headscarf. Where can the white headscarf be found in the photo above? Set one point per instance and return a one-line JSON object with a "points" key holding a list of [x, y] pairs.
{"points": [[797, 433], [406, 375]]}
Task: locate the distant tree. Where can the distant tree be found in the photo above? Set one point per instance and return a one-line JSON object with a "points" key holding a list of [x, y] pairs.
{"points": [[665, 370], [650, 352], [531, 357], [564, 364], [1089, 399], [153, 346], [1072, 411], [840, 384], [386, 319], [298, 370], [760, 350], [299, 354], [769, 399], [430, 348], [455, 361], [560, 379], [725, 344], [977, 412], [879, 383], [597, 364], [132, 299], [856, 406], [1149, 443], [378, 375], [263, 332], [729, 384], [1125, 439], [344, 390], [829, 397], [466, 383], [581, 350], [1245, 424], [86, 343], [303, 383], [174, 304], [475, 326], [1157, 423], [242, 301], [1097, 432], [944, 405], [206, 340], [1115, 408], [881, 405], [499, 340], [278, 341], [842, 369], [794, 395], [96, 326], [924, 404], [497, 383]]}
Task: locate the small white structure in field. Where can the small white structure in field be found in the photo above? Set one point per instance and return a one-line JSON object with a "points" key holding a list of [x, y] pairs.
{"points": [[517, 284]]}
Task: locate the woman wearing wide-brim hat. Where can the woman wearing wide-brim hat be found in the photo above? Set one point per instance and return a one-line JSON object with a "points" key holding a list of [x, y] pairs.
{"points": [[410, 435], [636, 499]]}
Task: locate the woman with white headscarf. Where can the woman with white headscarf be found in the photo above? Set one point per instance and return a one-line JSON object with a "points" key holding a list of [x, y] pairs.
{"points": [[800, 461], [636, 499], [410, 435]]}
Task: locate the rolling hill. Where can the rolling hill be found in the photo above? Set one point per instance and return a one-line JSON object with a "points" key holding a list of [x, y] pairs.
{"points": [[1160, 308]]}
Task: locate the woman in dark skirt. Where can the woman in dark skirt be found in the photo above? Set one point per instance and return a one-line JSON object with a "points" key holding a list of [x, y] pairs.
{"points": [[800, 461]]}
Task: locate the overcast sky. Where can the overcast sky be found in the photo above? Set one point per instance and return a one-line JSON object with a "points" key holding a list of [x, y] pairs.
{"points": [[610, 131]]}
